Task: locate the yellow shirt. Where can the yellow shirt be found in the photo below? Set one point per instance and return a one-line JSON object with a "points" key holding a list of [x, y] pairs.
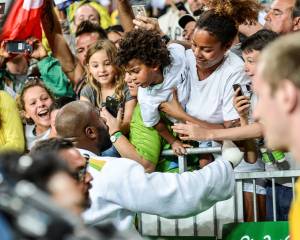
{"points": [[11, 128], [294, 216]]}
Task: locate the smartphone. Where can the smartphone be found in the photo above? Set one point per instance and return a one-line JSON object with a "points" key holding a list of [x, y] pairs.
{"points": [[2, 8], [18, 47], [112, 106], [139, 10], [235, 87], [180, 6]]}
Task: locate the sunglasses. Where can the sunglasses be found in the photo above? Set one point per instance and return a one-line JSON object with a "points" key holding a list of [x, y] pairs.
{"points": [[81, 173]]}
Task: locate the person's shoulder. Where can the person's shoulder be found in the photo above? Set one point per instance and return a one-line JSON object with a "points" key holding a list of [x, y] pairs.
{"points": [[87, 90], [233, 61]]}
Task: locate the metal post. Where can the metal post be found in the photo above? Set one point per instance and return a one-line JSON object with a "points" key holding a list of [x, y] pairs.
{"points": [[182, 164], [274, 200], [254, 200]]}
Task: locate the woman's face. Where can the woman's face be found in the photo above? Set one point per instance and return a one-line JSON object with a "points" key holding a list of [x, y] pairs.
{"points": [[115, 37], [37, 102], [207, 49], [101, 68]]}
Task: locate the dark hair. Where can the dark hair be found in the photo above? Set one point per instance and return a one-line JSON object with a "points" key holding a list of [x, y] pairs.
{"points": [[51, 145], [296, 9], [258, 40], [60, 102], [226, 15], [37, 169], [222, 27], [89, 27], [115, 28], [146, 46]]}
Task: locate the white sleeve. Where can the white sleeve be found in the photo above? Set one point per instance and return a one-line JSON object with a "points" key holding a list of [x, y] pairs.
{"points": [[170, 195], [229, 112], [149, 106]]}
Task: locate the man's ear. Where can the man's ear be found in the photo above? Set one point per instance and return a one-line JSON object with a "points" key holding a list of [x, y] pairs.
{"points": [[290, 96], [90, 132], [296, 24], [156, 68]]}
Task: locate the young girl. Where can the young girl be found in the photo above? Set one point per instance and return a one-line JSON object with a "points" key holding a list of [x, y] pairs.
{"points": [[34, 102], [105, 79]]}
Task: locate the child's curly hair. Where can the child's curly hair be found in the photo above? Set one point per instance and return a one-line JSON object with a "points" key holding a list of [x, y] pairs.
{"points": [[146, 46], [241, 11]]}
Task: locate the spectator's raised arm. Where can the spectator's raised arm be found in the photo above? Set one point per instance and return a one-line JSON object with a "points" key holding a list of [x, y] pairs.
{"points": [[58, 44], [126, 14]]}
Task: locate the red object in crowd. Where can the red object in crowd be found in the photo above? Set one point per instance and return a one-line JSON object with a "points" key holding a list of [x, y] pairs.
{"points": [[23, 21]]}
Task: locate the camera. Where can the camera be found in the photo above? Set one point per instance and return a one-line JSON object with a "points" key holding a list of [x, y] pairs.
{"points": [[18, 47], [245, 89]]}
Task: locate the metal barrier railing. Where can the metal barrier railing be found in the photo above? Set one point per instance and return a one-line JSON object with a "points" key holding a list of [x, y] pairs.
{"points": [[236, 202]]}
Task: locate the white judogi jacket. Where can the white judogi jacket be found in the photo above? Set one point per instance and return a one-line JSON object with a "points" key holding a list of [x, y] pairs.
{"points": [[122, 188]]}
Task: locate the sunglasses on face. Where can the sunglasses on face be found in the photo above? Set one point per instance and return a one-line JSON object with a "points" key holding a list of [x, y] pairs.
{"points": [[81, 173]]}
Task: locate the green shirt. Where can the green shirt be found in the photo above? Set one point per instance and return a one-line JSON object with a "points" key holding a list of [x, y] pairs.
{"points": [[54, 77]]}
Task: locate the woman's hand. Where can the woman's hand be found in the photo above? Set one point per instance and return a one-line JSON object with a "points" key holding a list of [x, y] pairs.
{"points": [[191, 131], [114, 124], [173, 108]]}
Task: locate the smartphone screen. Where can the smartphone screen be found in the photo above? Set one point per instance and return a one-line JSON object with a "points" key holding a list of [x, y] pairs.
{"points": [[2, 8], [112, 106], [139, 10], [235, 87]]}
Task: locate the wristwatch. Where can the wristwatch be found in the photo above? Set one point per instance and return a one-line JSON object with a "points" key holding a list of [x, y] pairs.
{"points": [[115, 136]]}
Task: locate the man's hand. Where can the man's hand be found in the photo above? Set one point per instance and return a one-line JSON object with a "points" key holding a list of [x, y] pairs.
{"points": [[114, 124]]}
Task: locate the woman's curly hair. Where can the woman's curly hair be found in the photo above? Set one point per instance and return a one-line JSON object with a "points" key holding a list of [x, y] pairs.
{"points": [[146, 46], [241, 11], [224, 17]]}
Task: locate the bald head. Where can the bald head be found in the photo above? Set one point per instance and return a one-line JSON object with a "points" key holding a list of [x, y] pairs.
{"points": [[73, 118], [81, 121]]}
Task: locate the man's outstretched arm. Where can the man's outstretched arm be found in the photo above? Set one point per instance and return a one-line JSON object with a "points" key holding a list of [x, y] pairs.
{"points": [[169, 195]]}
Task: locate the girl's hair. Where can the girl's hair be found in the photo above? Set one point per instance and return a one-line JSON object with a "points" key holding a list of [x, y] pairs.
{"points": [[32, 82], [224, 17], [111, 52]]}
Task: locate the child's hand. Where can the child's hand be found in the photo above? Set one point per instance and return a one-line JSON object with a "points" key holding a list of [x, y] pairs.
{"points": [[178, 148], [241, 104]]}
